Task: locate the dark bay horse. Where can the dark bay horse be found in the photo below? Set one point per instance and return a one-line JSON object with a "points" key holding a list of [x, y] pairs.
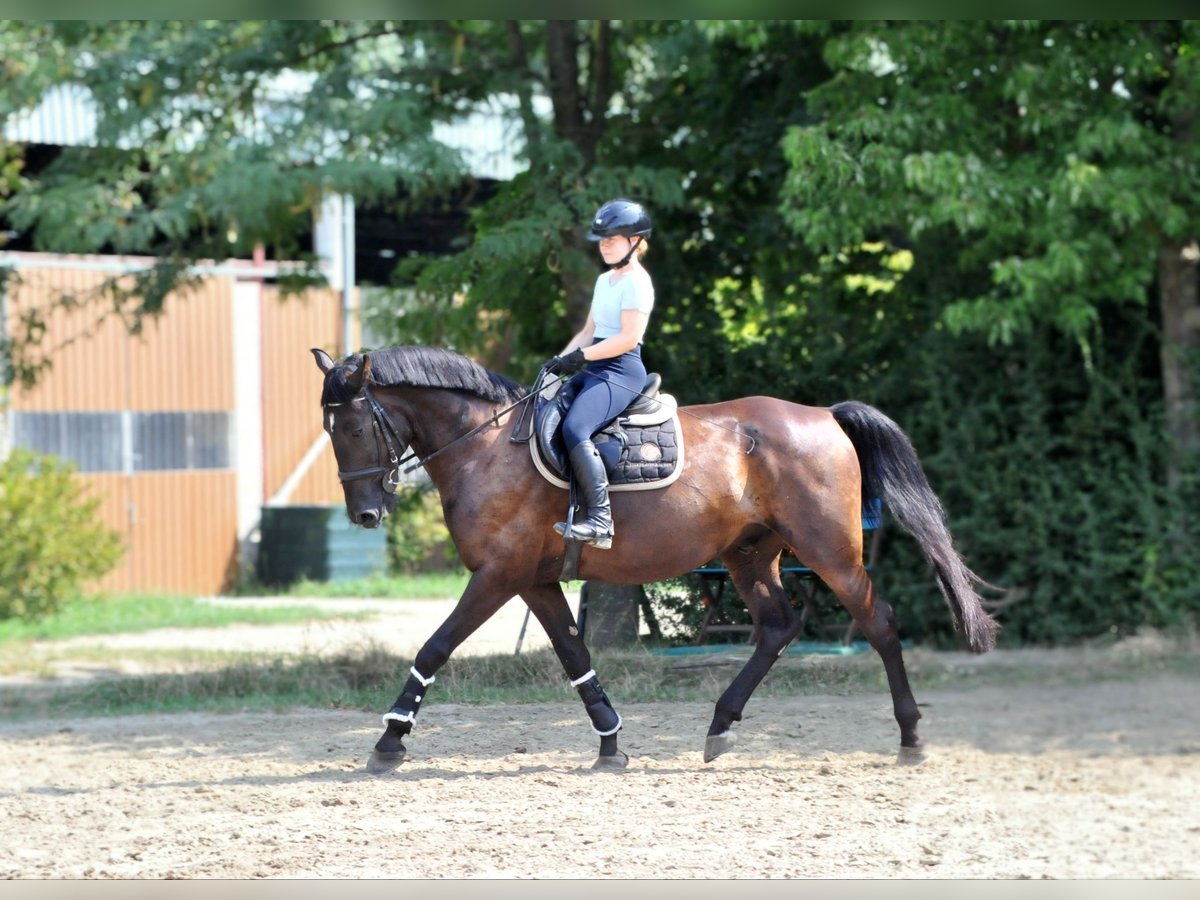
{"points": [[761, 475]]}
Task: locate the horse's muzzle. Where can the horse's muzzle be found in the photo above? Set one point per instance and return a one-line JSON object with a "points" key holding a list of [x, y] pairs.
{"points": [[368, 518]]}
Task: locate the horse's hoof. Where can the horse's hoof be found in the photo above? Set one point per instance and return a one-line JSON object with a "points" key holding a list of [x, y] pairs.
{"points": [[716, 744], [381, 762], [911, 756], [617, 761]]}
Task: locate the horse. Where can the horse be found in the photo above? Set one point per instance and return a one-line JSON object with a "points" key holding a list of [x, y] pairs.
{"points": [[761, 475]]}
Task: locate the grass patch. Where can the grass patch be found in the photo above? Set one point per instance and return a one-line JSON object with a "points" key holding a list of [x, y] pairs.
{"points": [[123, 613], [427, 586], [99, 615], [369, 678]]}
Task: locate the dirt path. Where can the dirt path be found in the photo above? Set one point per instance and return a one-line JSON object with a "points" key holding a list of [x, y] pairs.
{"points": [[1098, 781]]}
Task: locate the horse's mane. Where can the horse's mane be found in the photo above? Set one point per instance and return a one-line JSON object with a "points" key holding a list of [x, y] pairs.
{"points": [[418, 366]]}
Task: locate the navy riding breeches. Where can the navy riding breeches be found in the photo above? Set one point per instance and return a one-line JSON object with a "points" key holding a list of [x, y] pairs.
{"points": [[606, 387]]}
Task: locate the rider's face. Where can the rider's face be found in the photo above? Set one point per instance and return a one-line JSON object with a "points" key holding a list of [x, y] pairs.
{"points": [[613, 249]]}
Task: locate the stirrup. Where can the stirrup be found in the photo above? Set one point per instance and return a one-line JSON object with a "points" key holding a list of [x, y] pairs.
{"points": [[599, 541]]}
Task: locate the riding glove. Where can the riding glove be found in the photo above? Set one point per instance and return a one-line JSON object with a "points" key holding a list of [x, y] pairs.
{"points": [[567, 365]]}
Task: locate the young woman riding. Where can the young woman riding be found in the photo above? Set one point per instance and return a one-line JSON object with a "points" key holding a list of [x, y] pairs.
{"points": [[607, 352]]}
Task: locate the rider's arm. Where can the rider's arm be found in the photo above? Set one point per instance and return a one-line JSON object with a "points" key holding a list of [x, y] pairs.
{"points": [[583, 338], [633, 329]]}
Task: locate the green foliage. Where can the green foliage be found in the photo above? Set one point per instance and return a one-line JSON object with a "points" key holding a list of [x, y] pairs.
{"points": [[1036, 170], [1050, 152], [215, 136], [53, 539], [962, 222], [418, 540], [1053, 481]]}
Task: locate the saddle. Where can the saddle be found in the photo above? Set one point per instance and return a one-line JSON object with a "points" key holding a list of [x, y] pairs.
{"points": [[642, 448]]}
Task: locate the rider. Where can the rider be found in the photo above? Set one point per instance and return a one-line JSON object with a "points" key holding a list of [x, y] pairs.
{"points": [[608, 351]]}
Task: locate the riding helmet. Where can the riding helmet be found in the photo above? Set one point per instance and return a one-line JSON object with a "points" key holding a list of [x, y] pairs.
{"points": [[620, 217]]}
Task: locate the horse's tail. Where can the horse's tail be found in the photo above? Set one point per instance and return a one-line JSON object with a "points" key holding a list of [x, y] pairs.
{"points": [[891, 470]]}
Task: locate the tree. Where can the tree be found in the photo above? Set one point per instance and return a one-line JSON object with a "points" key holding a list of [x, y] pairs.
{"points": [[1054, 165], [217, 136], [528, 272]]}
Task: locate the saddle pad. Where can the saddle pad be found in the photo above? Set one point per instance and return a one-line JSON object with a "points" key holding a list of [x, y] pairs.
{"points": [[651, 456]]}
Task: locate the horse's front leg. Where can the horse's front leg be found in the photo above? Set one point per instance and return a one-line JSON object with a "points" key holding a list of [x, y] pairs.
{"points": [[484, 595], [550, 607]]}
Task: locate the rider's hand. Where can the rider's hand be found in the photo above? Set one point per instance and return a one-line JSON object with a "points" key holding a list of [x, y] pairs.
{"points": [[567, 365]]}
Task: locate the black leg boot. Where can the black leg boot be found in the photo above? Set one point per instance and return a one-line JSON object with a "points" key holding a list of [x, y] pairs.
{"points": [[597, 526]]}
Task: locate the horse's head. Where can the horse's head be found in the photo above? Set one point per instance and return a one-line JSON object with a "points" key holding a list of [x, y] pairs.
{"points": [[366, 441]]}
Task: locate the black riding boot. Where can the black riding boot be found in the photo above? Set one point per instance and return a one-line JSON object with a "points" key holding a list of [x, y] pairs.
{"points": [[597, 526]]}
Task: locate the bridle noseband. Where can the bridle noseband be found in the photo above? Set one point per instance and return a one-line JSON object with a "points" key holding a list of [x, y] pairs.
{"points": [[382, 425]]}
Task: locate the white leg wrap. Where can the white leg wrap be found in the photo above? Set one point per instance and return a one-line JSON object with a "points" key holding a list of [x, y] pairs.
{"points": [[398, 717], [425, 682], [591, 673]]}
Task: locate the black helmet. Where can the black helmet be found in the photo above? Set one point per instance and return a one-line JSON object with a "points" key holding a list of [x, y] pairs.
{"points": [[620, 217]]}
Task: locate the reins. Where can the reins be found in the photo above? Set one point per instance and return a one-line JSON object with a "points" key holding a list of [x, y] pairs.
{"points": [[493, 421], [382, 424]]}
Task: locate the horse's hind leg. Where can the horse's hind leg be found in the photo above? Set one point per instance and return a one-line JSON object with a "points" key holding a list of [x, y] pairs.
{"points": [[759, 584], [853, 587], [550, 606]]}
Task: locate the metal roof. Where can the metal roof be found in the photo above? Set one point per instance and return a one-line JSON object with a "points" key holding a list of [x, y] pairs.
{"points": [[67, 117]]}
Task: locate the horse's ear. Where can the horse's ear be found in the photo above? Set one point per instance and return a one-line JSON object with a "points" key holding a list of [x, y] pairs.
{"points": [[356, 378], [324, 360]]}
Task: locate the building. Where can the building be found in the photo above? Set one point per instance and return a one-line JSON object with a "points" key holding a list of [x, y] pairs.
{"points": [[189, 429]]}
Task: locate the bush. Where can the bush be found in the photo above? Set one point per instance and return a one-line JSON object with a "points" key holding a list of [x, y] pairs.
{"points": [[1053, 475], [1049, 456], [418, 540], [679, 606], [53, 541]]}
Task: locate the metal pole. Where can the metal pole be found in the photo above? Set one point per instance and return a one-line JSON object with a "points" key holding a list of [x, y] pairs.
{"points": [[5, 363], [348, 274]]}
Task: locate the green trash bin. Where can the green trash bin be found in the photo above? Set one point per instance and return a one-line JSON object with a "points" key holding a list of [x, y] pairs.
{"points": [[318, 543]]}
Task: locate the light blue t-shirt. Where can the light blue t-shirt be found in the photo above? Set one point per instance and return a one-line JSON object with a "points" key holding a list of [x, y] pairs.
{"points": [[633, 291]]}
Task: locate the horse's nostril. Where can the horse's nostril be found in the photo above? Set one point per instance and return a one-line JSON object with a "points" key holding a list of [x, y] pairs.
{"points": [[368, 518]]}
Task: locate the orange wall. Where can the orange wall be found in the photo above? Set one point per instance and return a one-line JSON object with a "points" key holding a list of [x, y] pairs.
{"points": [[292, 390], [178, 528], [181, 360], [181, 527]]}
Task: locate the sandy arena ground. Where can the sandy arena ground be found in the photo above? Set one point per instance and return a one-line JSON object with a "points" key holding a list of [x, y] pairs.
{"points": [[1026, 781]]}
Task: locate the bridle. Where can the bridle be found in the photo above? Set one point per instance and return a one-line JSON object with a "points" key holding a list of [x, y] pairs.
{"points": [[383, 427]]}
